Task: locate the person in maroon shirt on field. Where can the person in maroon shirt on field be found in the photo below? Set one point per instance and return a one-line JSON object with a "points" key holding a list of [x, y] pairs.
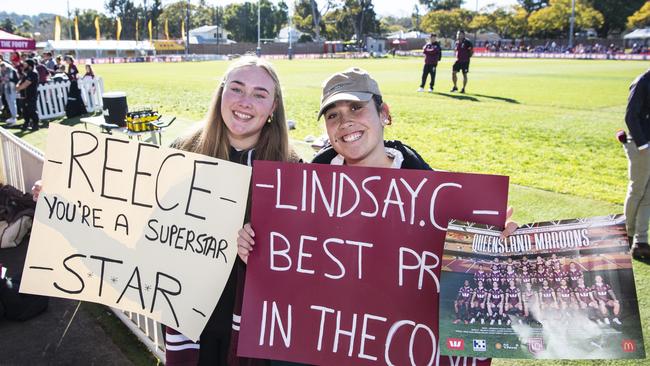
{"points": [[432, 54], [464, 50]]}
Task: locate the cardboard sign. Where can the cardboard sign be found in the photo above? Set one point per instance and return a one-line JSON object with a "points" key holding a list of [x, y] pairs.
{"points": [[346, 263], [552, 290], [135, 226]]}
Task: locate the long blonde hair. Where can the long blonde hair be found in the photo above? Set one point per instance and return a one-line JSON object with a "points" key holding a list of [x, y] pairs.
{"points": [[212, 137]]}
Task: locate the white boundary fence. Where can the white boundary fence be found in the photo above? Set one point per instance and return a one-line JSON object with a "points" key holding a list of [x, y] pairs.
{"points": [[22, 165], [53, 97]]}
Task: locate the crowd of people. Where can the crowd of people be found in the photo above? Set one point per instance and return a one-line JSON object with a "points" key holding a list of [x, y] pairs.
{"points": [[554, 47], [533, 291], [20, 77]]}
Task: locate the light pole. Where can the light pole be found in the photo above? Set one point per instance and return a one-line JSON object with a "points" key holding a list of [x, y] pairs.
{"points": [[290, 51], [572, 21], [258, 51], [187, 31], [476, 30]]}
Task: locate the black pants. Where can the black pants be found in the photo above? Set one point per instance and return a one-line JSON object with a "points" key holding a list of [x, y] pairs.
{"points": [[29, 113], [428, 69]]}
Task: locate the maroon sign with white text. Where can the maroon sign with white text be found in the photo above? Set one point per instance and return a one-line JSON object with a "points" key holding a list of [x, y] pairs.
{"points": [[346, 264]]}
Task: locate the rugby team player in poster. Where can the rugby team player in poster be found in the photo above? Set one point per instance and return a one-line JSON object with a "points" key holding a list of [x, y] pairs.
{"points": [[524, 289]]}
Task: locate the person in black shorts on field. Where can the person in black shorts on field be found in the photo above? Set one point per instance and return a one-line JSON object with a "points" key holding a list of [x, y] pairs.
{"points": [[432, 54], [464, 50]]}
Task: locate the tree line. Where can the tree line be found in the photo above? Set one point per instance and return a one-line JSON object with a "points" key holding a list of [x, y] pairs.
{"points": [[339, 19]]}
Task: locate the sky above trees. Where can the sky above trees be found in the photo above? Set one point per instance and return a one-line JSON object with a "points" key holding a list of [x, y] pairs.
{"points": [[382, 7]]}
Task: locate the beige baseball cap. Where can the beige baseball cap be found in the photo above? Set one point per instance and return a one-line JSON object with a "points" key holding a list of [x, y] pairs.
{"points": [[353, 84]]}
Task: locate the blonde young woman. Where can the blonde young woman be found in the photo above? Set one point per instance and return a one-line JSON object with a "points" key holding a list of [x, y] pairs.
{"points": [[245, 122]]}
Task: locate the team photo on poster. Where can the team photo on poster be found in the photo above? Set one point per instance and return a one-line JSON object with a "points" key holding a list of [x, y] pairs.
{"points": [[558, 290]]}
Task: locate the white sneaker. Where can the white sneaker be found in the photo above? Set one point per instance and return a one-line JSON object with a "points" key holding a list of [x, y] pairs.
{"points": [[11, 121], [499, 321], [599, 322], [420, 90], [606, 321], [482, 321], [472, 321], [615, 320], [492, 322], [430, 90]]}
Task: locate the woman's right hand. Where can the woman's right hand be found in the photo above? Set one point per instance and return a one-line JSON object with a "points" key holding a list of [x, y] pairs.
{"points": [[36, 189], [245, 242]]}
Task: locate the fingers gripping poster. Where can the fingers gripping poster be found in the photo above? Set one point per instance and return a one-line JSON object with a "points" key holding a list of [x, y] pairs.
{"points": [[346, 265], [135, 226], [553, 290]]}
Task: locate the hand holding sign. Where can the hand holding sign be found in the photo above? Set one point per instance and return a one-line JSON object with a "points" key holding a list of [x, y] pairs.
{"points": [[132, 225], [347, 271]]}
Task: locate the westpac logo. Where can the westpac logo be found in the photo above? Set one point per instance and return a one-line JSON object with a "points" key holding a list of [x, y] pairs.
{"points": [[457, 344], [628, 345], [479, 345], [535, 345]]}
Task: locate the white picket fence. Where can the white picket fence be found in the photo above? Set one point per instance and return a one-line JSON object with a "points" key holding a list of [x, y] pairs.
{"points": [[53, 97], [20, 166]]}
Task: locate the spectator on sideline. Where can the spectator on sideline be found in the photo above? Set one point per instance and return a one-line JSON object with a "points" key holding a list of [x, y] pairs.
{"points": [[464, 51], [89, 75], [29, 83], [9, 77], [43, 73], [432, 54], [49, 62], [637, 202], [70, 68]]}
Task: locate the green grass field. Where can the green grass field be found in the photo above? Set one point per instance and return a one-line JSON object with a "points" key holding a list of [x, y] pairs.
{"points": [[548, 124]]}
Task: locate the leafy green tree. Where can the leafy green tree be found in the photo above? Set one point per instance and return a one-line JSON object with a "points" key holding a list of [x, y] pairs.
{"points": [[446, 22], [26, 26], [86, 19], [241, 21], [395, 24], [553, 20], [640, 18], [128, 13], [8, 25], [308, 17], [442, 4], [482, 22], [616, 13], [362, 17]]}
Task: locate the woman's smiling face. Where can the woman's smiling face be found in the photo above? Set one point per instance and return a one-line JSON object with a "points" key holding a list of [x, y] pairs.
{"points": [[356, 132], [248, 100]]}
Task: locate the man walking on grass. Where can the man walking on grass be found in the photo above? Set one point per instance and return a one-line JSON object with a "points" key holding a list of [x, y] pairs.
{"points": [[464, 50], [432, 54], [637, 202]]}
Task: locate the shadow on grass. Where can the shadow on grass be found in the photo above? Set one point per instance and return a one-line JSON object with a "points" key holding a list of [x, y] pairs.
{"points": [[459, 96], [509, 100]]}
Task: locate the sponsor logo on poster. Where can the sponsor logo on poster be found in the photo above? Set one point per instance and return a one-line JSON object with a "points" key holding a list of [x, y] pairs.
{"points": [[456, 344], [535, 345], [628, 345], [479, 345], [512, 347], [498, 345]]}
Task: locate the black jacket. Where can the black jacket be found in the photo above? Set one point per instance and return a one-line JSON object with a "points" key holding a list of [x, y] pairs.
{"points": [[412, 160], [637, 115]]}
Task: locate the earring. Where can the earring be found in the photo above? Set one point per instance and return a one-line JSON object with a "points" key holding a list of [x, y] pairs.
{"points": [[268, 120]]}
